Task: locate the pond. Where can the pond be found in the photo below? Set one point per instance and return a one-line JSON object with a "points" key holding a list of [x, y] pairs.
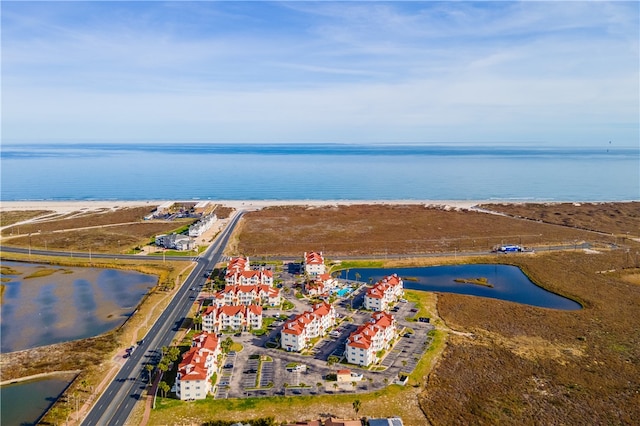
{"points": [[45, 304], [505, 282], [24, 403]]}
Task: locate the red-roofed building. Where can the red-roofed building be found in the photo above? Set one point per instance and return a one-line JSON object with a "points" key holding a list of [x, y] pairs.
{"points": [[238, 264], [238, 317], [297, 332], [198, 364], [314, 263], [247, 295], [321, 285], [363, 345], [387, 290], [262, 276]]}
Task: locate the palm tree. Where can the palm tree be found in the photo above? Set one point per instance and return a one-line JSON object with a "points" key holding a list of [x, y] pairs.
{"points": [[197, 323], [356, 406], [164, 388], [149, 368], [163, 366], [358, 276], [173, 354]]}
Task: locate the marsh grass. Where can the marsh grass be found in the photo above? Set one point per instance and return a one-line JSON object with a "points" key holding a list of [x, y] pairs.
{"points": [[389, 230], [522, 365]]}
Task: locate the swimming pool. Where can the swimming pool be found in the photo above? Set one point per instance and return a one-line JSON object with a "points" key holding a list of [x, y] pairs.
{"points": [[343, 291]]}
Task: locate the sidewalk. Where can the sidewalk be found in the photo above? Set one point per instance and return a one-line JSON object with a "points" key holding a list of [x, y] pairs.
{"points": [[148, 406]]}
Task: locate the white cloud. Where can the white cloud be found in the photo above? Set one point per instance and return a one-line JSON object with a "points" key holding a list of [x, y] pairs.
{"points": [[339, 72]]}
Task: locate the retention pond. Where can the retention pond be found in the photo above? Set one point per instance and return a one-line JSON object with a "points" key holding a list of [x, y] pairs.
{"points": [[45, 304], [503, 282]]}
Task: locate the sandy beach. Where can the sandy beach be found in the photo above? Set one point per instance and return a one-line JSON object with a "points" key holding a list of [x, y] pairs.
{"points": [[74, 206]]}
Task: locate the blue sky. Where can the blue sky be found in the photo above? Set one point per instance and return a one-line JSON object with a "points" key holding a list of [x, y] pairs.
{"points": [[560, 73]]}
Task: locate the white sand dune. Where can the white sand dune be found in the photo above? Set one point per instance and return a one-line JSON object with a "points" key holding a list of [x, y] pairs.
{"points": [[72, 206]]}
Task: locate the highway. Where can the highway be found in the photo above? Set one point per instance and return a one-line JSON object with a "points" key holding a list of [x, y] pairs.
{"points": [[115, 404]]}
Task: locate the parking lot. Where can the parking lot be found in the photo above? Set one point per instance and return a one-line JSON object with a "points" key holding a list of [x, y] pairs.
{"points": [[259, 371]]}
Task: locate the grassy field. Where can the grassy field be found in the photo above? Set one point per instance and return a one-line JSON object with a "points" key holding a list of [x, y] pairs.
{"points": [[392, 229], [108, 231], [526, 365], [11, 217], [103, 231], [392, 401], [612, 218]]}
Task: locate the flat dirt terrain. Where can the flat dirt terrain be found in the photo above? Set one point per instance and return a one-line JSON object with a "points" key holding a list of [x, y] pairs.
{"points": [[612, 218], [103, 230], [398, 229]]}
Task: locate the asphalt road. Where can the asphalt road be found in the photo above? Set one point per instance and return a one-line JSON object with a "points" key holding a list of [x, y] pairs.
{"points": [[115, 404]]}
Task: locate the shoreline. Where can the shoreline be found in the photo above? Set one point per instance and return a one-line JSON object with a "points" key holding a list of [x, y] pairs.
{"points": [[68, 206], [39, 376]]}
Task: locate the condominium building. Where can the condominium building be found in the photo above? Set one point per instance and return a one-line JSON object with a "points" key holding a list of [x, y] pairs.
{"points": [[387, 290], [314, 263], [364, 344], [198, 365], [262, 276], [321, 285], [297, 332], [248, 295], [240, 317]]}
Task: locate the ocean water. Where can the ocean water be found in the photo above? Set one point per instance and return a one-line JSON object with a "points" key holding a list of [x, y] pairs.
{"points": [[316, 172]]}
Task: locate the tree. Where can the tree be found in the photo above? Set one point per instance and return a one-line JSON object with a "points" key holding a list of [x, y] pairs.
{"points": [[149, 368], [333, 360], [163, 366], [164, 388], [356, 406], [173, 354], [358, 276], [197, 323], [226, 345]]}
